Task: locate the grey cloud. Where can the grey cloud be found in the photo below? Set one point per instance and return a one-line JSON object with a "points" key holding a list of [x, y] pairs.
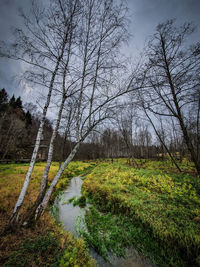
{"points": [[145, 15]]}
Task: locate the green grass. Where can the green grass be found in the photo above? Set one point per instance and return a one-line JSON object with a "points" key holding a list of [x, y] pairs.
{"points": [[41, 251], [154, 208], [78, 201], [47, 244], [163, 203], [109, 232], [47, 251]]}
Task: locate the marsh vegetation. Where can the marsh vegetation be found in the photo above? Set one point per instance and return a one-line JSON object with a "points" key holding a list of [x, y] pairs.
{"points": [[153, 209]]}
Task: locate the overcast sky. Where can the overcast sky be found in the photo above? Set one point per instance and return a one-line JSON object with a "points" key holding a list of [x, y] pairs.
{"points": [[145, 16]]}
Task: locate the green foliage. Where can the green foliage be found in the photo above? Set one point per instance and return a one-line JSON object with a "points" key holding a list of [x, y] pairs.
{"points": [[49, 251], [44, 248], [166, 204], [76, 254], [107, 232], [77, 168], [104, 233], [80, 201], [55, 212], [69, 258], [7, 169], [41, 251]]}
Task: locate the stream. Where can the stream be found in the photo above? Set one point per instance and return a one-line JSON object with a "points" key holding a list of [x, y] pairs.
{"points": [[67, 214]]}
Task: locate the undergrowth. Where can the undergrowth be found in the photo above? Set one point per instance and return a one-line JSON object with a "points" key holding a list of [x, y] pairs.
{"points": [[47, 244], [108, 232], [156, 201], [41, 251]]}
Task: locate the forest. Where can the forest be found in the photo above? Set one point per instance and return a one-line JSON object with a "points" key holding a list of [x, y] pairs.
{"points": [[122, 135]]}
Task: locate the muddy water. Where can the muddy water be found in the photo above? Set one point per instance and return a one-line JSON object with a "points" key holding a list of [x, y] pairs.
{"points": [[68, 215]]}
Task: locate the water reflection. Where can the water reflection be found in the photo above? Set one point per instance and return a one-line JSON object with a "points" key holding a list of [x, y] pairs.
{"points": [[67, 212], [68, 215]]}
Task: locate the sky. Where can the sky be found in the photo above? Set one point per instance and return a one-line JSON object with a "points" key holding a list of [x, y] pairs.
{"points": [[145, 15]]}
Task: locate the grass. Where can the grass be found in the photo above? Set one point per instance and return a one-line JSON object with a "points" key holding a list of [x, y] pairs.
{"points": [[154, 208], [47, 244], [160, 203], [78, 201], [44, 250], [50, 247], [108, 232]]}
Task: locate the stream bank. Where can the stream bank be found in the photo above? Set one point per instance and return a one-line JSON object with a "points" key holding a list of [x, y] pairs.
{"points": [[68, 214]]}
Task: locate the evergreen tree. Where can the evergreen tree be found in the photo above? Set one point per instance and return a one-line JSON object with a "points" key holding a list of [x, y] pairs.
{"points": [[18, 103], [28, 119], [3, 100], [12, 101]]}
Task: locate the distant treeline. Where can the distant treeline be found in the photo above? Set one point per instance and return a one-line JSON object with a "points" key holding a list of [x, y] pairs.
{"points": [[19, 124], [18, 127]]}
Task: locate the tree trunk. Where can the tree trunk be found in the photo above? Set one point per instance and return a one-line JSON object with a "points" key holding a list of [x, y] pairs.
{"points": [[14, 217], [173, 160], [179, 114], [41, 208], [43, 187]]}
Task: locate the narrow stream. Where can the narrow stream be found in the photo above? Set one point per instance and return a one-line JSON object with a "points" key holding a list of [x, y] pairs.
{"points": [[68, 214], [67, 211]]}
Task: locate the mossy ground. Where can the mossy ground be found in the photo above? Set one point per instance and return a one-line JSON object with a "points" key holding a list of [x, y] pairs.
{"points": [[154, 208], [47, 244], [158, 208]]}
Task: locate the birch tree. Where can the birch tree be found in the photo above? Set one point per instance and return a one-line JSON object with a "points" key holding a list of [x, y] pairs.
{"points": [[103, 30], [66, 90], [40, 46]]}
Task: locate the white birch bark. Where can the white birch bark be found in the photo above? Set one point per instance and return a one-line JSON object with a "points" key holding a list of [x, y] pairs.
{"points": [[67, 39], [41, 208], [85, 62], [80, 107], [55, 131], [15, 214], [47, 196], [51, 150]]}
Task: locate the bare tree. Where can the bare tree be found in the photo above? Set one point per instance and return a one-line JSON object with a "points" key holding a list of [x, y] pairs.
{"points": [[72, 14], [66, 127], [89, 81], [41, 46], [126, 117], [172, 72], [103, 33], [160, 135]]}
